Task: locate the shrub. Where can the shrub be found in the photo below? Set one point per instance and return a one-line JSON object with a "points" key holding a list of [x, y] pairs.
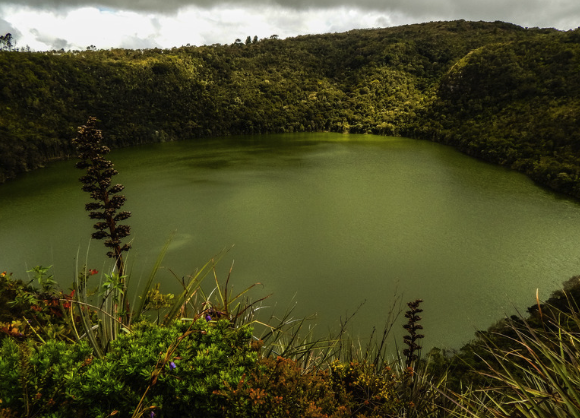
{"points": [[26, 312], [171, 371], [35, 378], [368, 392], [279, 387]]}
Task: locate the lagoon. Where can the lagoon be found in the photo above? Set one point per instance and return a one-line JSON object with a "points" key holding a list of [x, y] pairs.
{"points": [[326, 222]]}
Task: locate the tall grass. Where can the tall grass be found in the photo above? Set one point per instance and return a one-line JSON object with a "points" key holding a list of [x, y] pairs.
{"points": [[533, 369]]}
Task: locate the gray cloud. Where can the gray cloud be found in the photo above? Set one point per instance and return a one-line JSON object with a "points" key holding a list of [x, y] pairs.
{"points": [[453, 9], [533, 12], [6, 27], [59, 43], [165, 6], [545, 13], [55, 43], [171, 6]]}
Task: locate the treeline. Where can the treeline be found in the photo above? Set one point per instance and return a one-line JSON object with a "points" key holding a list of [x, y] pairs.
{"points": [[475, 85]]}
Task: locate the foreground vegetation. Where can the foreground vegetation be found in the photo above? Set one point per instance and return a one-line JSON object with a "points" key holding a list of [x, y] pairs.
{"points": [[494, 90], [215, 362]]}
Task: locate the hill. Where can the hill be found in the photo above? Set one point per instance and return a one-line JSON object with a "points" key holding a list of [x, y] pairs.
{"points": [[497, 91]]}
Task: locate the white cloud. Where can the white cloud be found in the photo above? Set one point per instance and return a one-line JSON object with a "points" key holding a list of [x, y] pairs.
{"points": [[79, 28], [106, 27]]}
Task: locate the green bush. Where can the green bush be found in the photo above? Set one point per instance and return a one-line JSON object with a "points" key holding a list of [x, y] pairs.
{"points": [[35, 378], [171, 371]]}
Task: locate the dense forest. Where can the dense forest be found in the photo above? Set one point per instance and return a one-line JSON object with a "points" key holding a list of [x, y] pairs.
{"points": [[497, 91]]}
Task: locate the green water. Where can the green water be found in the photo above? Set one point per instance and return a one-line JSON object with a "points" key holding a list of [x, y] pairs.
{"points": [[325, 221]]}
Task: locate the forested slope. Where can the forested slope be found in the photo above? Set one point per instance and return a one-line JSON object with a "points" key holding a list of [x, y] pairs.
{"points": [[516, 104], [495, 90]]}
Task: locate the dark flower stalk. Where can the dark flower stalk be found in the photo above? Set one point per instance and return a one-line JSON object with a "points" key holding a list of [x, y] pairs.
{"points": [[97, 182], [412, 326]]}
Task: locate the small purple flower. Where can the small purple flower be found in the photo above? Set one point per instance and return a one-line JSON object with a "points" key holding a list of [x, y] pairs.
{"points": [[152, 414], [208, 318], [172, 365]]}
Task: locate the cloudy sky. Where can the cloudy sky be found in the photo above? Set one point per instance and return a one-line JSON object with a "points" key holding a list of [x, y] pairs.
{"points": [[76, 24]]}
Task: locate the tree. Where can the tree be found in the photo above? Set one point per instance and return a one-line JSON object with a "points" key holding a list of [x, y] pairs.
{"points": [[7, 42]]}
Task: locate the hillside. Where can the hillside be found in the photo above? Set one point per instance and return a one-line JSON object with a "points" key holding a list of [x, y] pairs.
{"points": [[494, 90], [516, 104]]}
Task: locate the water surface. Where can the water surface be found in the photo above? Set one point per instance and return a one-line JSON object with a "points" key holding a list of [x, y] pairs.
{"points": [[328, 221]]}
